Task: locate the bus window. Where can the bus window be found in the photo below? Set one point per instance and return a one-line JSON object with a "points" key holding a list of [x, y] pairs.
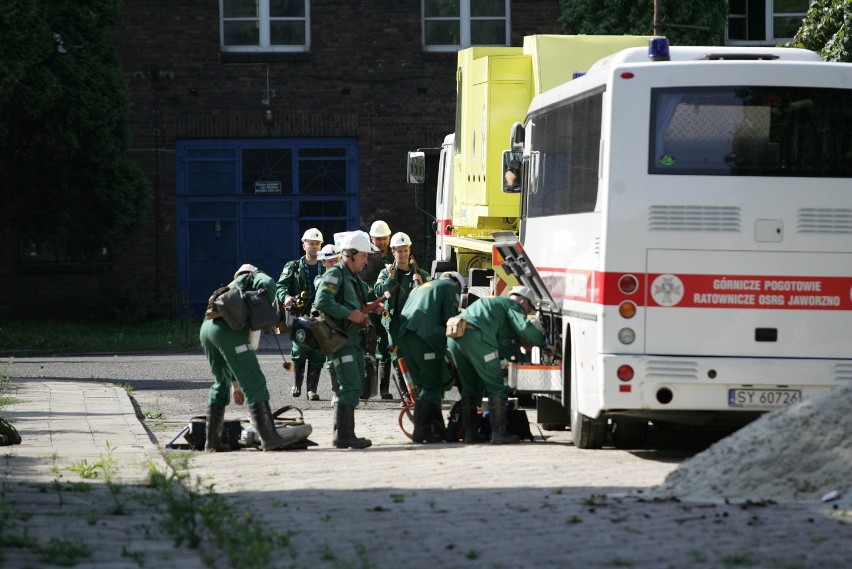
{"points": [[751, 131]]}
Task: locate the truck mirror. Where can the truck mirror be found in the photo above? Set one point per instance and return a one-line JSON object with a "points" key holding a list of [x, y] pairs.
{"points": [[516, 137], [416, 167], [512, 171]]}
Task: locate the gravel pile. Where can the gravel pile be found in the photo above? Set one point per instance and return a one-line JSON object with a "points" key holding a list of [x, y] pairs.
{"points": [[798, 453]]}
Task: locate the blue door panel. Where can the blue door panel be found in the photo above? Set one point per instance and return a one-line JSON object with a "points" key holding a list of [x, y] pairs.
{"points": [[250, 200]]}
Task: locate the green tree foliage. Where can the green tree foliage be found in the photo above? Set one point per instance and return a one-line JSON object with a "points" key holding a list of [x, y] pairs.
{"points": [[706, 19], [65, 179], [827, 29]]}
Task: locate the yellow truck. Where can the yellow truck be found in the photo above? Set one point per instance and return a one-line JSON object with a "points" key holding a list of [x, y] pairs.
{"points": [[494, 87]]}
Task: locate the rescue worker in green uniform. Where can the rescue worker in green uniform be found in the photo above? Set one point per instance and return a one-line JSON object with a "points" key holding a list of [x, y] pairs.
{"points": [[399, 279], [341, 297], [381, 257], [422, 342], [295, 292], [328, 257], [233, 361], [491, 321]]}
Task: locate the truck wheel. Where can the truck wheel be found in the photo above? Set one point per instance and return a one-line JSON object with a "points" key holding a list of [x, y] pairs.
{"points": [[629, 433], [587, 432]]}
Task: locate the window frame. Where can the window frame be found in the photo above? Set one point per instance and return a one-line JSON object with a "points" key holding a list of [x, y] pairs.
{"points": [[465, 20], [768, 25], [264, 22]]}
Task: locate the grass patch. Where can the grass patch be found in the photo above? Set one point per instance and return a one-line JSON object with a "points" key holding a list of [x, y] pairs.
{"points": [[45, 338]]}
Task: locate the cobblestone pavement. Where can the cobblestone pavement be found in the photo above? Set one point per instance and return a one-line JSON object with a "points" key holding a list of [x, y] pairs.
{"points": [[543, 504]]}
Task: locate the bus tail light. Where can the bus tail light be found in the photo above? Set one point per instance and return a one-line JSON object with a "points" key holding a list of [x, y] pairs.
{"points": [[625, 373], [628, 284], [627, 309]]}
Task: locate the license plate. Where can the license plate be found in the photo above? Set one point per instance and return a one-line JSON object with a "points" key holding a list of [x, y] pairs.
{"points": [[763, 398]]}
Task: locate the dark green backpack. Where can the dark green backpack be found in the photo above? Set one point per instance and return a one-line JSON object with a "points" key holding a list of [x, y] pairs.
{"points": [[8, 434]]}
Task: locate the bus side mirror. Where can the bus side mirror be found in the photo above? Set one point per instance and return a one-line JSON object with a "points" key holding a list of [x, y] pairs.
{"points": [[512, 171], [516, 137], [416, 167]]}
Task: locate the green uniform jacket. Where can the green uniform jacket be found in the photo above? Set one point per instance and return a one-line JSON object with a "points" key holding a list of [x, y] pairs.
{"points": [[426, 312], [500, 319], [294, 280], [399, 295], [326, 302]]}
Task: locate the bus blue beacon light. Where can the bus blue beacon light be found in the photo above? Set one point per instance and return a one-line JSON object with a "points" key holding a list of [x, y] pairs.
{"points": [[658, 49]]}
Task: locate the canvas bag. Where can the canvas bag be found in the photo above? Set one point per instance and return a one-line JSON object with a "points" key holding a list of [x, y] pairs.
{"points": [[261, 314], [456, 327], [228, 303]]}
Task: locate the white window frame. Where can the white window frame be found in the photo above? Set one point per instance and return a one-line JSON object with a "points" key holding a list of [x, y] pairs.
{"points": [[465, 21], [769, 26], [263, 18]]}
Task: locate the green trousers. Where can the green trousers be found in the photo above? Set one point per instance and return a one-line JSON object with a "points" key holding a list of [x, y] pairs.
{"points": [[231, 358], [349, 365], [428, 369], [478, 365], [302, 353]]}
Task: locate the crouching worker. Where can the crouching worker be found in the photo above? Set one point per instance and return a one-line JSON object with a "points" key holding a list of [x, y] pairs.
{"points": [[422, 342], [341, 297], [490, 322], [232, 358]]}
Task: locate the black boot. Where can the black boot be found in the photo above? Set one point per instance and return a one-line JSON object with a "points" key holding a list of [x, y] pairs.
{"points": [[497, 414], [424, 415], [344, 433], [215, 419], [470, 421], [261, 416], [384, 379], [313, 382], [298, 376], [439, 428]]}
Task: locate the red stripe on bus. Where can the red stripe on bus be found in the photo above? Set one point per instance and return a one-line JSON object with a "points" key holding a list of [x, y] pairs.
{"points": [[777, 292]]}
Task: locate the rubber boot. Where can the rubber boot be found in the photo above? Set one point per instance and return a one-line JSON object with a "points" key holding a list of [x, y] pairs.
{"points": [[298, 376], [470, 421], [439, 428], [344, 433], [424, 414], [497, 414], [313, 382], [384, 379], [215, 420], [334, 386], [261, 417]]}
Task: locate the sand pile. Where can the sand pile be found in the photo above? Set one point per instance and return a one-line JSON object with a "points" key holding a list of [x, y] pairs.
{"points": [[800, 452]]}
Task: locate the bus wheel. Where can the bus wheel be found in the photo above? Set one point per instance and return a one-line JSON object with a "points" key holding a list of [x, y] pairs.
{"points": [[587, 432], [628, 433]]}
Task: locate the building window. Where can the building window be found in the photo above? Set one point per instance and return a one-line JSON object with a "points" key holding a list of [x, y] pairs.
{"points": [[265, 25], [450, 25], [764, 22]]}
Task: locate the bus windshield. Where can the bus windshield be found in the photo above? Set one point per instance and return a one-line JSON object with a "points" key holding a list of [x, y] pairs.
{"points": [[751, 131]]}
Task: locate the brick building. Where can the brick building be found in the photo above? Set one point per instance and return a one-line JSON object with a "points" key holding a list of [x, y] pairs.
{"points": [[250, 129]]}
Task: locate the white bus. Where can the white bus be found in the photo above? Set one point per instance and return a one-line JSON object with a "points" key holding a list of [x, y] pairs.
{"points": [[690, 220]]}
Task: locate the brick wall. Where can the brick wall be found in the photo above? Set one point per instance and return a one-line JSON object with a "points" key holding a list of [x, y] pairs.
{"points": [[365, 76]]}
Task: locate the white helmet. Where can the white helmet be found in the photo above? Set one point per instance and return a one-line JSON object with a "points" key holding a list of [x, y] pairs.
{"points": [[312, 234], [328, 252], [400, 239], [357, 240], [246, 268], [379, 229], [455, 277], [523, 291]]}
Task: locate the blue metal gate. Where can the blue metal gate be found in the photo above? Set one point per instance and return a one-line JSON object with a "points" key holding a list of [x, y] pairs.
{"points": [[250, 200]]}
